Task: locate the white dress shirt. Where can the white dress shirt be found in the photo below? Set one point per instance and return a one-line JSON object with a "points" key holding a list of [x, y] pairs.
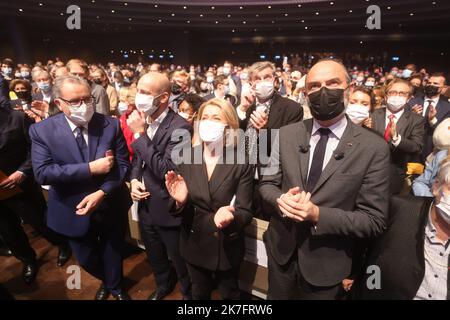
{"points": [[84, 130], [337, 130], [154, 125], [397, 116], [426, 103], [46, 96]]}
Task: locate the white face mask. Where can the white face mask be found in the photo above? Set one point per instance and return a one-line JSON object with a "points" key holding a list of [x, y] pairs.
{"points": [[226, 71], [210, 79], [264, 90], [184, 115], [244, 76], [123, 107], [370, 84], [82, 115], [145, 103], [357, 113], [395, 103], [444, 207], [211, 131]]}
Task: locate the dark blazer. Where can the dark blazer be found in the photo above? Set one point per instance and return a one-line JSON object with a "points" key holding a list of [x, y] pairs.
{"points": [[351, 193], [4, 93], [57, 162], [411, 128], [443, 112], [400, 251], [38, 96], [151, 161], [202, 243], [15, 155]]}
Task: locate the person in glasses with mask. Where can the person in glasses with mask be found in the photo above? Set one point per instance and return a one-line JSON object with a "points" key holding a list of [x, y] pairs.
{"points": [[402, 129], [213, 197], [433, 107], [414, 253], [261, 107], [328, 183], [83, 156], [153, 124]]}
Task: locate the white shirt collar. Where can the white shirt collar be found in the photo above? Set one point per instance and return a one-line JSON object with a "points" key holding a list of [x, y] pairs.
{"points": [[337, 129], [158, 120], [435, 100], [73, 126], [397, 115]]}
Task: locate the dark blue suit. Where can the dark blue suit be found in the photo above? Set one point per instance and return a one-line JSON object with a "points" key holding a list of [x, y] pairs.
{"points": [[443, 112], [159, 229], [57, 161]]}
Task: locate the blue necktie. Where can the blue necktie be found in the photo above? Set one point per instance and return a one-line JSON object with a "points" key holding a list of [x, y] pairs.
{"points": [[82, 145]]}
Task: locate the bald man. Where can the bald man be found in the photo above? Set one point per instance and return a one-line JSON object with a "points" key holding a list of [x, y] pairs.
{"points": [[329, 192], [153, 124]]}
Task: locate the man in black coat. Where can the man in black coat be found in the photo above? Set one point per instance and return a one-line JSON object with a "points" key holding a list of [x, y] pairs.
{"points": [[30, 205], [413, 256]]}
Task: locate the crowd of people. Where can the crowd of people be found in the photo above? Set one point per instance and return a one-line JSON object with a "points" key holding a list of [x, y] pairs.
{"points": [[351, 170]]}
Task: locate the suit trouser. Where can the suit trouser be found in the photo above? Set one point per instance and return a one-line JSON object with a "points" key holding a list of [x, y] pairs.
{"points": [[287, 283], [14, 236], [204, 281], [99, 252], [162, 247], [32, 209]]}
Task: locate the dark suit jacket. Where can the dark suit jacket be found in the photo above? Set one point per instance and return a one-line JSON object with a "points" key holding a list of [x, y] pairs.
{"points": [[411, 128], [4, 93], [151, 161], [443, 112], [399, 253], [15, 148], [57, 162], [201, 242], [351, 193]]}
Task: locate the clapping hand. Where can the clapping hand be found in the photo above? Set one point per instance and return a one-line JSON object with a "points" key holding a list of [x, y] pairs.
{"points": [[176, 186]]}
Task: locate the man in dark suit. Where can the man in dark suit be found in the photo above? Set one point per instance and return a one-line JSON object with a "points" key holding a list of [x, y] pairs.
{"points": [[413, 256], [263, 108], [402, 129], [433, 107], [30, 205], [235, 82], [153, 124], [328, 183], [4, 92], [83, 156], [221, 90]]}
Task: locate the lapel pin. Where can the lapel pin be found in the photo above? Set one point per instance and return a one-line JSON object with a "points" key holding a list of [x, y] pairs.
{"points": [[350, 144]]}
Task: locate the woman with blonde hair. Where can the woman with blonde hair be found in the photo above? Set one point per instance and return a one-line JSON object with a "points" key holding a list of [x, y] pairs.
{"points": [[214, 198]]}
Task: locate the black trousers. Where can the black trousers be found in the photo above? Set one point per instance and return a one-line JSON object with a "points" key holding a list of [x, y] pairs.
{"points": [[162, 248], [204, 281], [32, 208], [14, 236], [287, 283]]}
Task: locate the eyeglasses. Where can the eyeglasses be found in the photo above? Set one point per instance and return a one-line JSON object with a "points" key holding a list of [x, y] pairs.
{"points": [[398, 93], [76, 103]]}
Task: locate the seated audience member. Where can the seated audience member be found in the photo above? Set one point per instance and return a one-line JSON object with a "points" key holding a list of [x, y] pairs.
{"points": [[22, 90], [189, 107], [180, 83], [402, 129], [416, 82], [222, 90], [378, 92], [360, 106], [441, 138], [413, 254], [126, 106], [214, 200]]}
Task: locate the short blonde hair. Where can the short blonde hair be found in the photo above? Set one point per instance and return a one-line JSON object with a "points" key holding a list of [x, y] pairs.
{"points": [[398, 81], [230, 116], [128, 94], [80, 62]]}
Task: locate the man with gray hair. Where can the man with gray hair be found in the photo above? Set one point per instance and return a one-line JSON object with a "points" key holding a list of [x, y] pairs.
{"points": [[84, 158], [413, 256]]}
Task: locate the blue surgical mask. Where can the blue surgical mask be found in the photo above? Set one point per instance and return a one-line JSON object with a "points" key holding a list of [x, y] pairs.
{"points": [[25, 74], [44, 86], [407, 73]]}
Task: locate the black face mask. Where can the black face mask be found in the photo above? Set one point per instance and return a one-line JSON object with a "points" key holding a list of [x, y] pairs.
{"points": [[294, 84], [98, 81], [431, 91], [175, 88], [326, 104], [24, 95]]}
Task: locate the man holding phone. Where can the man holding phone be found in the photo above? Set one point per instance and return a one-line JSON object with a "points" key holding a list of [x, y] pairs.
{"points": [[83, 156]]}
